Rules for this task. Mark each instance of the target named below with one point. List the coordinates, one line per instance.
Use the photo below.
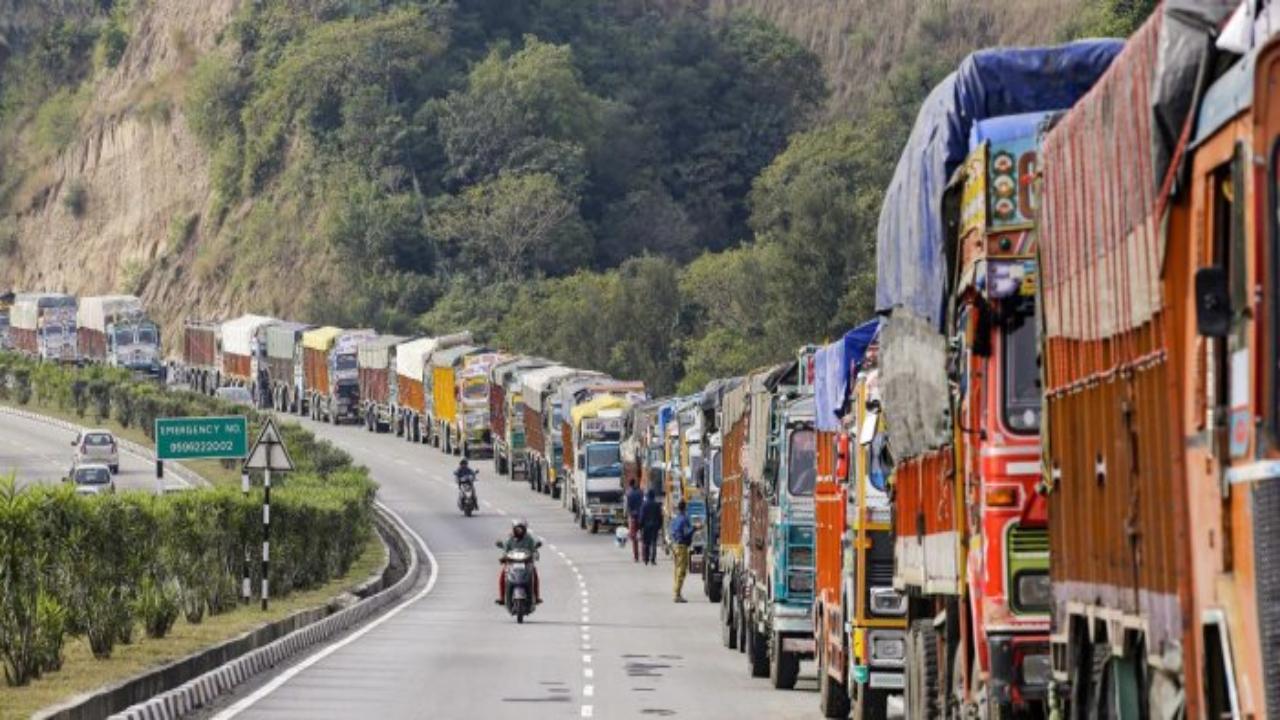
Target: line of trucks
(1043, 481)
(112, 330)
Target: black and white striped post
(266, 534)
(245, 586)
(268, 453)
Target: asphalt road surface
(608, 642)
(39, 452)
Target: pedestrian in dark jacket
(635, 503)
(651, 526)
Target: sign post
(268, 453)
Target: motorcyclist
(464, 472)
(519, 539)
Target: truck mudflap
(1021, 668)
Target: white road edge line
(325, 652)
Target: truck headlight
(800, 581)
(1037, 670)
(887, 648)
(1032, 591)
(887, 601)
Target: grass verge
(82, 673)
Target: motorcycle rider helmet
(463, 464)
(519, 526)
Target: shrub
(76, 198)
(157, 605)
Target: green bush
(102, 566)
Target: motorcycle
(517, 567)
(467, 500)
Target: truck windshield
(124, 336)
(475, 390)
(1021, 376)
(147, 335)
(604, 460)
(344, 362)
(52, 329)
(801, 471)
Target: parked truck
(1160, 369)
(473, 422)
(201, 343)
(331, 374)
(777, 585)
(284, 376)
(115, 330)
(957, 280)
(593, 447)
(542, 446)
(506, 414)
(712, 480)
(444, 395)
(732, 512)
(43, 326)
(859, 618)
(376, 374)
(243, 353)
(412, 371)
(572, 394)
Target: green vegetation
(76, 197)
(98, 566)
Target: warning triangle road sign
(269, 452)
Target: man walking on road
(651, 526)
(635, 503)
(681, 539)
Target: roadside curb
(199, 692)
(183, 474)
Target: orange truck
(1158, 251)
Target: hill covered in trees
(665, 190)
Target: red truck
(200, 342)
(506, 414)
(376, 360)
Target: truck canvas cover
(911, 245)
(600, 405)
(450, 357)
(25, 314)
(321, 338)
(833, 366)
(411, 357)
(95, 312)
(375, 354)
(504, 372)
(282, 337)
(533, 384)
(237, 335)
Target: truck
(571, 394)
(376, 374)
(594, 448)
(506, 415)
(473, 424)
(641, 453)
(43, 326)
(712, 480)
(1159, 353)
(330, 373)
(284, 376)
(412, 370)
(777, 582)
(732, 514)
(542, 446)
(859, 619)
(956, 283)
(243, 355)
(6, 304)
(201, 343)
(444, 394)
(114, 330)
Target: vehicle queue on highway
(982, 498)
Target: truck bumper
(606, 514)
(793, 619)
(1021, 668)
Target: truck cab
(133, 343)
(343, 401)
(597, 465)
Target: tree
(514, 225)
(646, 220)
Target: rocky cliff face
(141, 173)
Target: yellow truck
(442, 415)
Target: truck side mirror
(497, 544)
(1213, 302)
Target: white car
(96, 446)
(237, 396)
(93, 479)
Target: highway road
(40, 452)
(608, 642)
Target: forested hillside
(665, 190)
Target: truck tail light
(1002, 497)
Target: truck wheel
(595, 527)
(740, 624)
(728, 629)
(784, 667)
(757, 650)
(871, 704)
(714, 589)
(833, 700)
(921, 692)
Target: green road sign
(201, 437)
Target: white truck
(115, 330)
(43, 326)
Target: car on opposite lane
(96, 446)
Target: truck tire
(728, 629)
(871, 704)
(714, 590)
(921, 692)
(757, 650)
(784, 667)
(833, 698)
